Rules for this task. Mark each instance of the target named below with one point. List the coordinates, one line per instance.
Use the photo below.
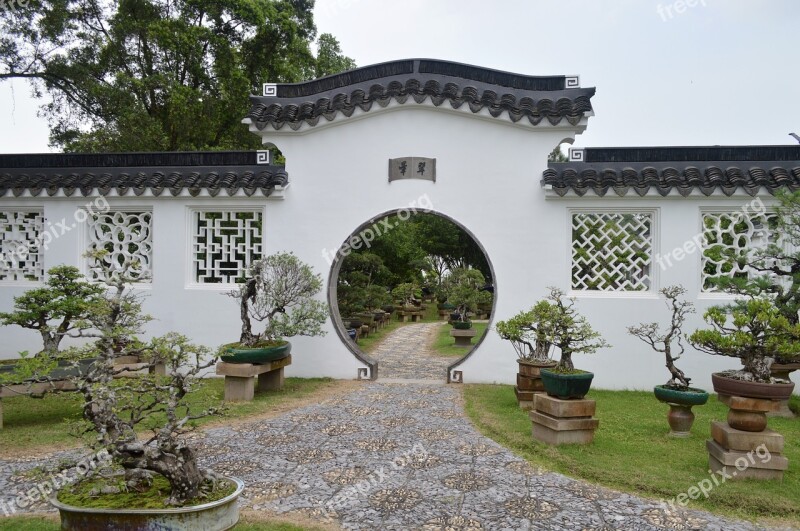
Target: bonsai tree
(662, 341)
(113, 410)
(464, 291)
(527, 332)
(279, 291)
(569, 331)
(775, 268)
(405, 293)
(756, 331)
(57, 309)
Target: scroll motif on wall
(127, 238)
(412, 168)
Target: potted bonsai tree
(570, 332)
(463, 288)
(676, 392)
(279, 291)
(527, 333)
(755, 331)
(151, 465)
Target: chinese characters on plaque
(412, 168)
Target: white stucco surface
(488, 180)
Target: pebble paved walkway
(405, 353)
(394, 456)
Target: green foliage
(753, 330)
(775, 268)
(557, 155)
(568, 330)
(405, 293)
(463, 289)
(58, 308)
(528, 331)
(361, 284)
(158, 75)
(279, 291)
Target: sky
(685, 72)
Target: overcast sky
(686, 72)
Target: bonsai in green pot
(676, 392)
(463, 288)
(279, 291)
(533, 348)
(572, 334)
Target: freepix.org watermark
(678, 7)
(706, 485)
(52, 232)
(375, 478)
(12, 5)
(755, 207)
(365, 237)
(43, 489)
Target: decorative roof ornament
(710, 170)
(524, 100)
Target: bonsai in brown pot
(755, 331)
(676, 392)
(533, 349)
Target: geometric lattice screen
(727, 237)
(225, 243)
(612, 251)
(20, 254)
(126, 237)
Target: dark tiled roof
(707, 169)
(226, 173)
(414, 80)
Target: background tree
(557, 155)
(158, 75)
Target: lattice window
(127, 237)
(727, 238)
(612, 251)
(20, 246)
(225, 244)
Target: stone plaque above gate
(412, 168)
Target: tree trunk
(759, 367)
(566, 361)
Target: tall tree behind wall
(159, 75)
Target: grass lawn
(51, 523)
(31, 422)
(631, 451)
(445, 344)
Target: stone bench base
(240, 378)
(463, 337)
(558, 422)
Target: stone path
(406, 354)
(395, 456)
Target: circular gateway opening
(411, 295)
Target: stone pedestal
(444, 315)
(743, 447)
(417, 317)
(240, 378)
(558, 422)
(525, 398)
(463, 337)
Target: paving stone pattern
(406, 353)
(397, 456)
